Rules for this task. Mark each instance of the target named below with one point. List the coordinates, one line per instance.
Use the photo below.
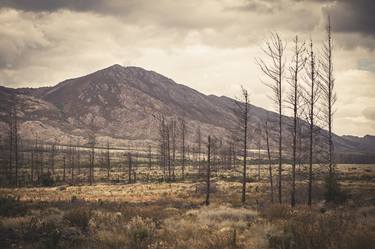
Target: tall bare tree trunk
(183, 131)
(16, 142)
(129, 168)
(312, 97)
(269, 161)
(64, 166)
(329, 96)
(199, 140)
(108, 162)
(297, 65)
(274, 50)
(208, 174)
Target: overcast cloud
(208, 45)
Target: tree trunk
(208, 171)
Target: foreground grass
(172, 215)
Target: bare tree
(208, 173)
(78, 156)
(64, 166)
(311, 97)
(92, 142)
(242, 113)
(149, 161)
(130, 168)
(297, 64)
(173, 134)
(329, 99)
(13, 140)
(274, 70)
(108, 157)
(199, 148)
(183, 146)
(269, 161)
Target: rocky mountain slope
(119, 103)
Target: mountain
(119, 104)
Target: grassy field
(152, 214)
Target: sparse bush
(10, 206)
(140, 233)
(277, 211)
(79, 217)
(309, 229)
(333, 192)
(47, 180)
(52, 235)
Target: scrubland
(152, 214)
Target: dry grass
(172, 215)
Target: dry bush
(308, 229)
(114, 231)
(208, 227)
(10, 206)
(224, 216)
(140, 233)
(277, 211)
(79, 217)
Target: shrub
(10, 206)
(333, 192)
(277, 211)
(79, 217)
(53, 235)
(47, 180)
(140, 233)
(308, 229)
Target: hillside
(118, 104)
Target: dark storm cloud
(354, 16)
(350, 15)
(54, 5)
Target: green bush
(10, 206)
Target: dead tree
(130, 168)
(168, 137)
(329, 98)
(274, 71)
(92, 161)
(64, 166)
(52, 157)
(149, 162)
(311, 97)
(199, 148)
(297, 64)
(208, 173)
(78, 157)
(269, 161)
(183, 151)
(92, 142)
(160, 119)
(13, 140)
(108, 161)
(173, 134)
(242, 113)
(71, 160)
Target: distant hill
(118, 104)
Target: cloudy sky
(208, 45)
